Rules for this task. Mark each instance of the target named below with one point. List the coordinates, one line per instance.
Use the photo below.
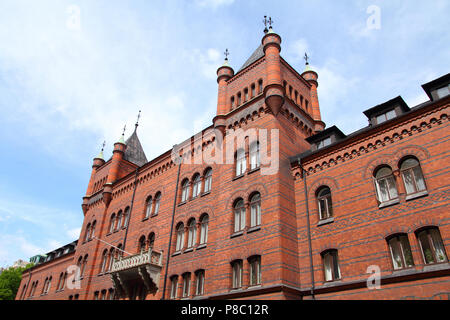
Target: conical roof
(134, 151)
(256, 55)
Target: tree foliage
(10, 281)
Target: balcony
(143, 268)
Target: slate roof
(134, 152)
(259, 53)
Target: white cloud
(297, 49)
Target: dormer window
(386, 116)
(443, 92)
(323, 143)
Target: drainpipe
(171, 231)
(308, 228)
(131, 209)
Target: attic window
(323, 143)
(386, 116)
(443, 92)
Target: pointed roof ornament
(307, 66)
(267, 22)
(122, 138)
(137, 121)
(100, 155)
(225, 62)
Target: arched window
(232, 103)
(180, 237)
(385, 184)
(241, 164)
(196, 185)
(112, 223)
(184, 190)
(141, 245)
(255, 270)
(204, 220)
(151, 240)
(119, 220)
(254, 155)
(400, 251)
(157, 203)
(260, 86)
(186, 284)
(236, 281)
(126, 217)
(60, 282)
(148, 207)
(79, 267)
(324, 203)
(431, 245)
(88, 231)
(119, 252)
(173, 287)
(104, 260)
(111, 259)
(253, 90)
(239, 215)
(208, 180)
(63, 285)
(83, 267)
(192, 233)
(255, 210)
(239, 99)
(331, 265)
(412, 176)
(94, 224)
(200, 282)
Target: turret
(311, 76)
(224, 73)
(273, 91)
(97, 162)
(118, 153)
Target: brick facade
(287, 101)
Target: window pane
(420, 182)
(406, 251)
(390, 114)
(409, 163)
(392, 188)
(438, 245)
(382, 190)
(427, 250)
(396, 254)
(409, 182)
(381, 118)
(327, 261)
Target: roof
(256, 55)
(134, 151)
(326, 133)
(397, 101)
(435, 84)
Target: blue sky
(65, 87)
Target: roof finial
(226, 53)
(137, 121)
(265, 21)
(122, 138)
(306, 57)
(100, 155)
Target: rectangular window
(186, 285)
(255, 271)
(400, 252)
(331, 266)
(200, 283)
(324, 143)
(173, 288)
(237, 274)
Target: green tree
(10, 281)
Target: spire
(267, 22)
(307, 66)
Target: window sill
(181, 203)
(388, 203)
(253, 229)
(238, 177)
(237, 234)
(436, 266)
(254, 286)
(404, 271)
(153, 215)
(325, 221)
(176, 253)
(201, 246)
(416, 195)
(205, 193)
(254, 170)
(188, 250)
(145, 219)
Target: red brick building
(287, 209)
